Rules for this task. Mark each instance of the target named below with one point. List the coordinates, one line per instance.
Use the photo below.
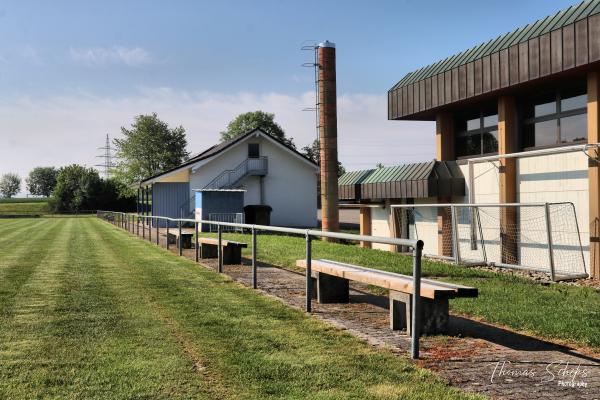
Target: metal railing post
(157, 235)
(481, 236)
(143, 228)
(197, 241)
(219, 248)
(179, 239)
(455, 243)
(137, 225)
(167, 225)
(549, 234)
(150, 229)
(254, 266)
(309, 287)
(416, 300)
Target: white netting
(516, 235)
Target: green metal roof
(519, 35)
(405, 172)
(354, 177)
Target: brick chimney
(328, 136)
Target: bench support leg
(187, 241)
(434, 313)
(208, 251)
(232, 255)
(331, 289)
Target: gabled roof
(221, 147)
(531, 47)
(416, 180)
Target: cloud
(101, 56)
(69, 129)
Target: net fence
(536, 237)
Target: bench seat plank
(224, 242)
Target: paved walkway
(475, 357)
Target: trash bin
(258, 214)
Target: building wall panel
(487, 74)
(477, 77)
(556, 52)
(581, 42)
(504, 68)
(545, 66)
(534, 58)
(568, 46)
(513, 64)
(594, 37)
(523, 62)
(470, 79)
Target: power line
(108, 158)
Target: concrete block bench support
(433, 313)
(186, 239)
(232, 251)
(331, 289)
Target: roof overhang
(568, 41)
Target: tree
(246, 122)
(41, 181)
(77, 188)
(10, 184)
(148, 148)
(313, 152)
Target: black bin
(258, 214)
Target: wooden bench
(331, 280)
(232, 251)
(186, 238)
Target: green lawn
(23, 206)
(556, 311)
(88, 311)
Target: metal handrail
(225, 179)
(417, 246)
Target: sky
(72, 72)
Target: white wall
(380, 226)
(290, 187)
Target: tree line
(145, 149)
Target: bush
(79, 188)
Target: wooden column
(593, 92)
(365, 225)
(444, 151)
(507, 171)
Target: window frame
(479, 131)
(558, 115)
(258, 150)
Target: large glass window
(555, 118)
(477, 135)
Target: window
(477, 135)
(253, 150)
(555, 118)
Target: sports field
(88, 311)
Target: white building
(270, 173)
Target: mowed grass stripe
(98, 351)
(20, 258)
(260, 347)
(26, 328)
(176, 357)
(13, 232)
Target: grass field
(23, 206)
(555, 311)
(91, 312)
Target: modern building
(266, 171)
(518, 117)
